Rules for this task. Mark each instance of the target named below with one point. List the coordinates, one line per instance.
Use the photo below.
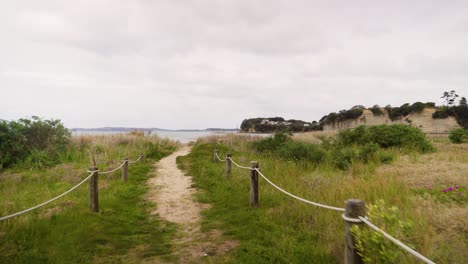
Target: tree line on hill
(450, 108)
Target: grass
(283, 230)
(65, 231)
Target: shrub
(417, 107)
(368, 152)
(35, 137)
(373, 246)
(343, 157)
(272, 143)
(39, 159)
(458, 136)
(376, 110)
(441, 114)
(294, 150)
(387, 136)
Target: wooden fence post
(125, 170)
(228, 165)
(94, 190)
(215, 153)
(253, 184)
(353, 209)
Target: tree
(462, 102)
(450, 97)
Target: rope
(135, 161)
(348, 219)
(240, 166)
(396, 241)
(351, 220)
(216, 154)
(299, 198)
(49, 201)
(111, 171)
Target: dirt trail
(172, 192)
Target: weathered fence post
(353, 209)
(94, 190)
(215, 158)
(253, 184)
(125, 170)
(228, 165)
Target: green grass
(65, 231)
(283, 230)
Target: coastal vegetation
(451, 108)
(272, 124)
(418, 194)
(65, 231)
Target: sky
(197, 64)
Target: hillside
(426, 116)
(422, 120)
(272, 124)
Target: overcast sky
(197, 64)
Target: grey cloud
(201, 64)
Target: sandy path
(172, 192)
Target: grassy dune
(65, 231)
(283, 230)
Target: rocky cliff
(422, 120)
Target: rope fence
(354, 212)
(93, 188)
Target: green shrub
(459, 112)
(372, 246)
(158, 151)
(272, 143)
(36, 137)
(368, 152)
(339, 154)
(343, 157)
(359, 135)
(458, 136)
(441, 114)
(38, 160)
(294, 150)
(385, 156)
(386, 136)
(376, 110)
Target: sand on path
(172, 192)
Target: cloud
(180, 64)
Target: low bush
(440, 114)
(386, 136)
(458, 136)
(271, 144)
(336, 154)
(376, 110)
(373, 246)
(406, 109)
(294, 150)
(36, 141)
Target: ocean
(181, 136)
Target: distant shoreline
(129, 129)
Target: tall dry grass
(439, 226)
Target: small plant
(458, 136)
(372, 246)
(445, 194)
